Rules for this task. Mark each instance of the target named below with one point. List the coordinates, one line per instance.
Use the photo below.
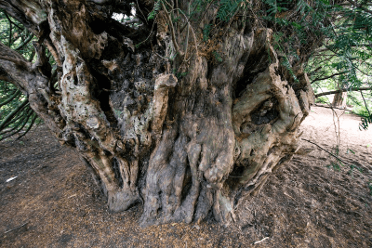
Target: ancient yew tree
(184, 106)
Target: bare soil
(311, 201)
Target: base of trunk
(122, 200)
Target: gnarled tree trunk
(187, 126)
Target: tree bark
(339, 100)
(188, 130)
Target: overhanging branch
(11, 56)
(13, 113)
(328, 77)
(342, 90)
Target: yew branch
(342, 90)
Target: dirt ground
(308, 202)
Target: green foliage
(353, 167)
(345, 59)
(281, 38)
(285, 62)
(227, 9)
(180, 75)
(206, 32)
(217, 56)
(275, 7)
(359, 106)
(322, 99)
(118, 113)
(365, 122)
(16, 115)
(335, 165)
(345, 30)
(349, 150)
(155, 10)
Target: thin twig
(193, 33)
(205, 12)
(365, 103)
(188, 31)
(144, 17)
(25, 42)
(257, 242)
(152, 29)
(17, 227)
(10, 30)
(330, 153)
(330, 107)
(171, 28)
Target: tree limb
(342, 90)
(331, 76)
(9, 55)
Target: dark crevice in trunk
(257, 62)
(143, 166)
(44, 30)
(262, 117)
(118, 176)
(186, 184)
(98, 26)
(247, 79)
(241, 85)
(103, 95)
(113, 50)
(234, 178)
